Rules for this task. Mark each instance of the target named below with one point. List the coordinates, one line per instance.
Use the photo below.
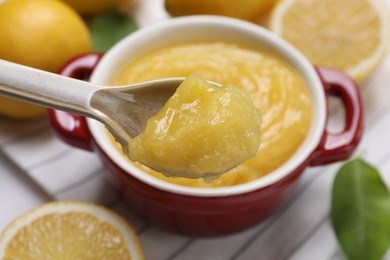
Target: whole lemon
(43, 34)
(93, 6)
(250, 10)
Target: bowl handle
(339, 146)
(70, 128)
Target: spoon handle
(45, 88)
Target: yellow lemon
(93, 6)
(39, 33)
(250, 10)
(349, 35)
(69, 230)
(19, 110)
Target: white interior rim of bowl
(289, 52)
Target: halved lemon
(349, 35)
(69, 230)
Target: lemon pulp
(69, 230)
(352, 35)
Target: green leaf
(361, 211)
(110, 27)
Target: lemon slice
(349, 35)
(69, 230)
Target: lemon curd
(277, 90)
(209, 129)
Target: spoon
(124, 110)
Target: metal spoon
(124, 110)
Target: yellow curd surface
(277, 90)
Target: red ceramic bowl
(212, 211)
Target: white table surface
(18, 193)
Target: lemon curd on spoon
(208, 129)
(275, 87)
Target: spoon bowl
(125, 109)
